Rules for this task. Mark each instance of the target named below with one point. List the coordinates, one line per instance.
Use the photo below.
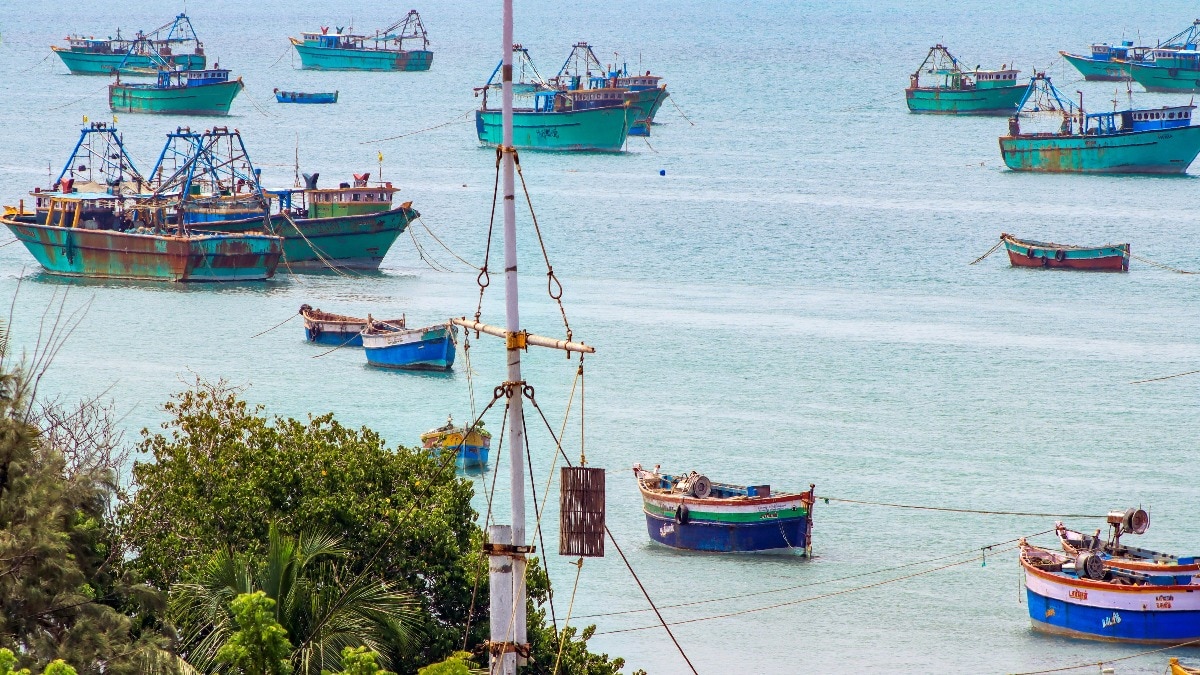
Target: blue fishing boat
(470, 447)
(175, 43)
(305, 97)
(1121, 556)
(1109, 62)
(338, 329)
(690, 512)
(384, 50)
(1083, 597)
(392, 346)
(1137, 140)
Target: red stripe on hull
(1106, 264)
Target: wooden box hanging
(581, 512)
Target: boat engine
(697, 485)
(1089, 565)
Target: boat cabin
(344, 200)
(993, 79)
(324, 40)
(639, 82)
(1187, 58)
(1124, 121)
(191, 78)
(589, 99)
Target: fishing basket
(581, 512)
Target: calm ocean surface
(790, 304)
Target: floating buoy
(662, 172)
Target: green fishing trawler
(941, 86)
(176, 43)
(382, 51)
(563, 120)
(178, 92)
(1173, 70)
(1138, 140)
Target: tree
(323, 609)
(360, 661)
(260, 645)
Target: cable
(944, 508)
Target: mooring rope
(78, 100)
(1100, 664)
(458, 119)
(953, 510)
(275, 326)
(1157, 264)
(990, 251)
(1165, 377)
(683, 114)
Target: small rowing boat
(1029, 253)
(389, 345)
(690, 512)
(470, 447)
(337, 329)
(305, 97)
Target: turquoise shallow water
(790, 304)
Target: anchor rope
(1165, 377)
(443, 245)
(275, 326)
(458, 119)
(344, 272)
(954, 510)
(1100, 664)
(1157, 264)
(337, 347)
(681, 113)
(990, 251)
(78, 100)
(425, 257)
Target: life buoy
(1060, 255)
(681, 514)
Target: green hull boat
(206, 99)
(1162, 152)
(1093, 70)
(598, 129)
(91, 63)
(314, 57)
(1167, 79)
(1000, 101)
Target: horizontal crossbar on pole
(526, 337)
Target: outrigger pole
(506, 548)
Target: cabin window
(356, 196)
(1170, 116)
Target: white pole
(516, 453)
(500, 585)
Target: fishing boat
(392, 346)
(1108, 62)
(96, 221)
(942, 86)
(177, 92)
(1028, 253)
(175, 43)
(1172, 71)
(1177, 668)
(597, 121)
(350, 226)
(1142, 140)
(582, 71)
(527, 78)
(690, 512)
(337, 329)
(384, 50)
(470, 447)
(1123, 557)
(1084, 598)
(305, 97)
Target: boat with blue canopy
(942, 86)
(175, 42)
(305, 97)
(1136, 140)
(383, 50)
(1115, 61)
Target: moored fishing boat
(1142, 140)
(338, 329)
(1028, 253)
(1082, 597)
(582, 71)
(427, 348)
(175, 43)
(942, 86)
(690, 512)
(527, 78)
(305, 97)
(562, 120)
(384, 50)
(1172, 70)
(1124, 557)
(1108, 62)
(470, 447)
(178, 92)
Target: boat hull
(1158, 79)
(324, 58)
(1098, 71)
(1097, 259)
(208, 99)
(649, 100)
(772, 525)
(597, 130)
(1166, 151)
(298, 97)
(106, 254)
(936, 101)
(91, 63)
(429, 348)
(355, 242)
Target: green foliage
(64, 592)
(8, 661)
(360, 661)
(260, 645)
(544, 641)
(317, 602)
(459, 663)
(59, 667)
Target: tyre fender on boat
(1060, 255)
(681, 514)
(314, 332)
(1029, 252)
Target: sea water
(791, 303)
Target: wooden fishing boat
(174, 43)
(1177, 668)
(392, 346)
(1142, 140)
(338, 329)
(384, 50)
(178, 92)
(942, 86)
(583, 72)
(1121, 556)
(1107, 62)
(690, 512)
(563, 120)
(1082, 597)
(305, 97)
(470, 447)
(1029, 253)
